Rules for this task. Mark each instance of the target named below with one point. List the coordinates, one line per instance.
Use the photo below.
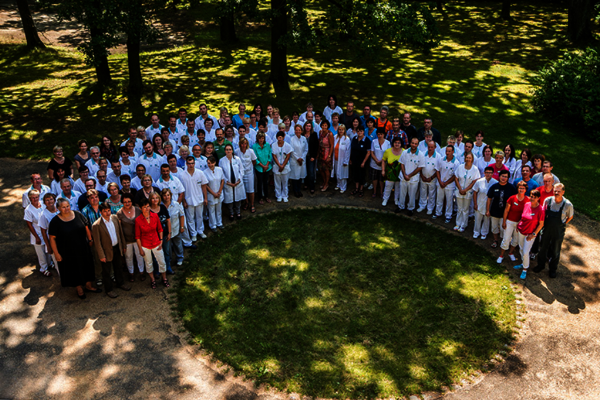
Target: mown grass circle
(346, 303)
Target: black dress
(77, 265)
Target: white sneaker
(337, 188)
(384, 203)
(429, 212)
(179, 263)
(420, 209)
(512, 257)
(461, 230)
(483, 237)
(203, 236)
(456, 228)
(342, 191)
(194, 239)
(499, 260)
(279, 199)
(475, 235)
(285, 199)
(370, 187)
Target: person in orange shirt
(383, 122)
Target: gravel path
(53, 345)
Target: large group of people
(140, 201)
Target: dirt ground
(53, 345)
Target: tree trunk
(227, 27)
(31, 33)
(100, 56)
(279, 27)
(579, 29)
(505, 14)
(133, 64)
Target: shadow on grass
(310, 302)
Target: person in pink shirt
(498, 165)
(529, 227)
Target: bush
(569, 90)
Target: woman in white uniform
(33, 212)
(445, 170)
(524, 160)
(234, 190)
(216, 181)
(483, 162)
(466, 177)
(298, 160)
(248, 157)
(341, 158)
(331, 108)
(282, 153)
(378, 147)
(510, 161)
(480, 191)
(49, 212)
(59, 175)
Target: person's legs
(311, 174)
(97, 265)
(278, 186)
(462, 217)
(212, 216)
(404, 191)
(449, 195)
(285, 188)
(525, 247)
(440, 196)
(218, 216)
(106, 272)
(259, 185)
(117, 265)
(389, 185)
(177, 245)
(343, 184)
(191, 222)
(40, 251)
(198, 216)
(412, 195)
(148, 262)
(160, 259)
(510, 230)
(485, 224)
(496, 227)
(554, 250)
(237, 207)
(166, 247)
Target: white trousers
(387, 191)
(214, 215)
(160, 259)
(342, 183)
(462, 216)
(281, 185)
(410, 189)
(43, 257)
(427, 195)
(132, 248)
(446, 193)
(482, 224)
(195, 223)
(510, 235)
(525, 247)
(497, 226)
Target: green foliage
(569, 90)
(316, 302)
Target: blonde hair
(185, 148)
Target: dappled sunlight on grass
(363, 317)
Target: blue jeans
(177, 245)
(311, 173)
(167, 252)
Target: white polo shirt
(152, 164)
(174, 184)
(429, 164)
(193, 186)
(411, 162)
(447, 170)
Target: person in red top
(149, 237)
(548, 189)
(383, 122)
(498, 165)
(532, 222)
(512, 216)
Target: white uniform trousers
(482, 224)
(462, 216)
(387, 191)
(195, 223)
(510, 235)
(410, 189)
(281, 185)
(447, 194)
(214, 215)
(525, 247)
(43, 257)
(427, 196)
(132, 248)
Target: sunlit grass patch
(346, 303)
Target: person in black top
(437, 136)
(408, 128)
(349, 116)
(498, 196)
(90, 183)
(147, 189)
(59, 160)
(360, 152)
(126, 186)
(311, 157)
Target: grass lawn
(477, 79)
(346, 303)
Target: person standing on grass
(69, 194)
(109, 243)
(195, 183)
(479, 145)
(326, 143)
(485, 160)
(521, 162)
(59, 160)
(168, 180)
(480, 191)
(512, 216)
(526, 177)
(397, 132)
(510, 161)
(341, 159)
(155, 126)
(427, 127)
(298, 159)
(546, 169)
(238, 119)
(411, 165)
(383, 123)
(150, 160)
(424, 145)
(558, 213)
(467, 175)
(529, 227)
(82, 201)
(264, 164)
(138, 144)
(360, 154)
(428, 176)
(216, 182)
(348, 117)
(499, 165)
(498, 196)
(36, 184)
(233, 191)
(47, 215)
(312, 156)
(127, 216)
(282, 153)
(149, 238)
(446, 171)
(59, 175)
(331, 108)
(83, 155)
(177, 218)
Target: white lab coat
(214, 182)
(339, 169)
(238, 193)
(300, 146)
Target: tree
(134, 21)
(579, 28)
(279, 29)
(505, 14)
(229, 10)
(31, 33)
(100, 18)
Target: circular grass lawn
(346, 303)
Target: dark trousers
(311, 173)
(550, 245)
(358, 173)
(116, 266)
(297, 185)
(262, 184)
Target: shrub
(569, 90)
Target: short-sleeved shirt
(516, 208)
(567, 212)
(148, 232)
(33, 215)
(411, 162)
(359, 149)
(500, 195)
(220, 148)
(531, 184)
(392, 165)
(497, 170)
(530, 219)
(66, 165)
